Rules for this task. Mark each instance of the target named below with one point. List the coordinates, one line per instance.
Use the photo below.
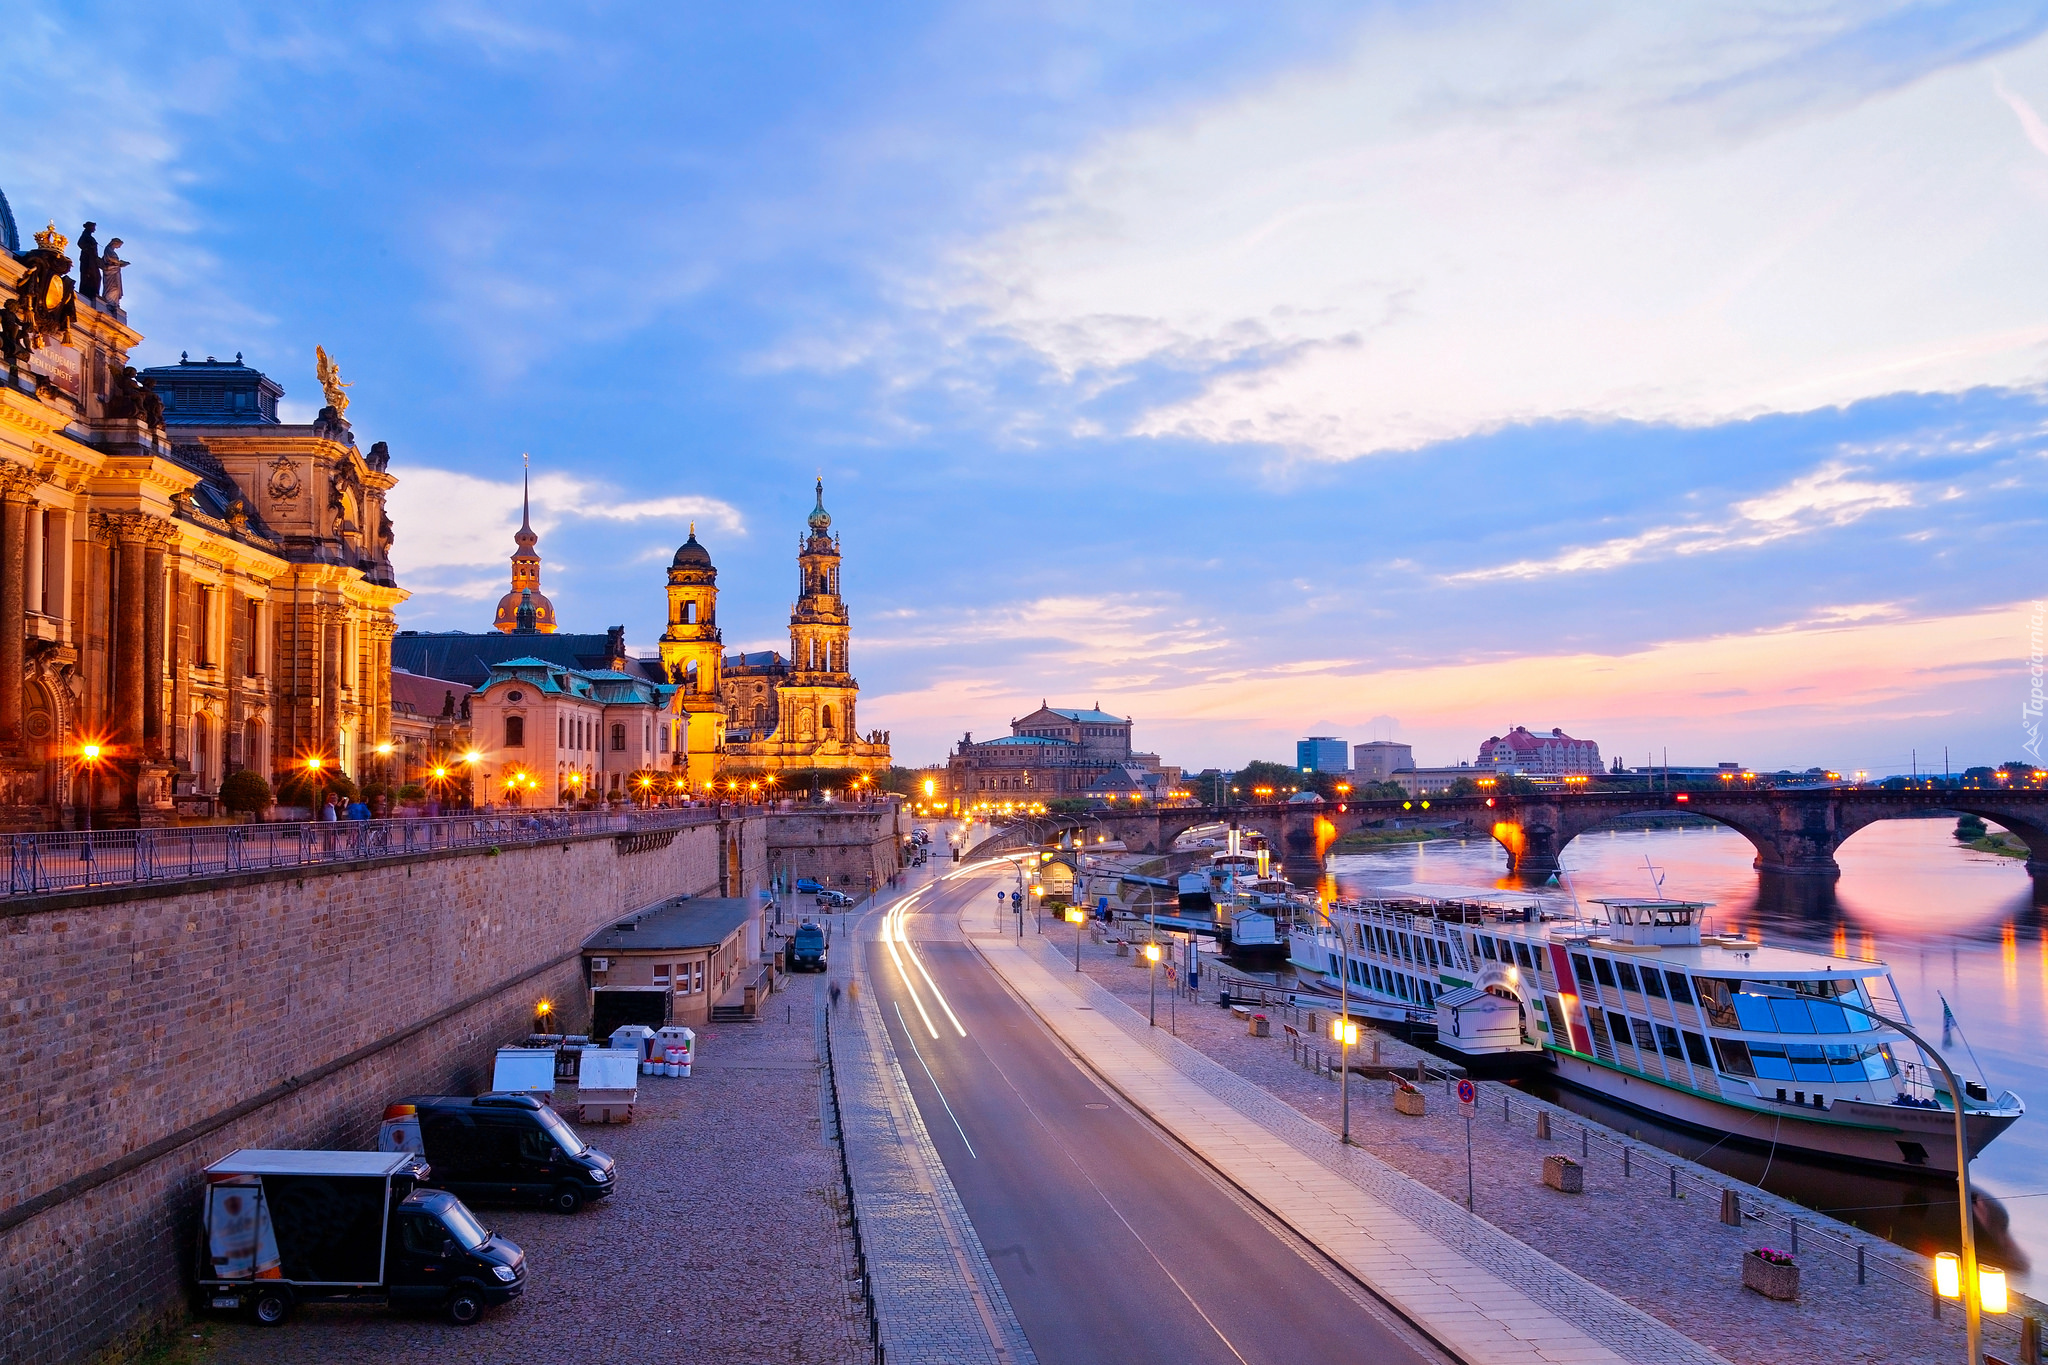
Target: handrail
(44, 863)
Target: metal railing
(39, 864)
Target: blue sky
(1671, 375)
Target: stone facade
(185, 581)
(1052, 753)
(848, 848)
(551, 735)
(152, 1033)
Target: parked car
(834, 899)
(500, 1147)
(809, 885)
(280, 1228)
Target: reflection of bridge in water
(1795, 833)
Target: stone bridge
(1795, 832)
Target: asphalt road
(1112, 1243)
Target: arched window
(618, 738)
(689, 613)
(825, 723)
(515, 732)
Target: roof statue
(329, 375)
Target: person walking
(835, 995)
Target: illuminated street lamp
(1152, 970)
(1077, 917)
(89, 754)
(1344, 1032)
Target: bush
(412, 791)
(245, 792)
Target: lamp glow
(1151, 952)
(1948, 1275)
(1344, 1031)
(1991, 1293)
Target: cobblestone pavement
(726, 1242)
(1672, 1259)
(937, 1299)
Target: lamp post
(1077, 917)
(1344, 1004)
(1967, 1286)
(384, 753)
(1344, 1032)
(89, 755)
(1152, 970)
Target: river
(1944, 917)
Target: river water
(1948, 921)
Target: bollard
(1421, 1070)
(1674, 1182)
(1583, 1142)
(1731, 1208)
(1504, 1109)
(1624, 1163)
(1937, 1305)
(1795, 1236)
(1859, 1263)
(2030, 1339)
(1375, 1050)
(1543, 1124)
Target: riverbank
(1670, 1257)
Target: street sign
(1468, 1098)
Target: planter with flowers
(1772, 1274)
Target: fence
(837, 1138)
(38, 864)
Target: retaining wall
(150, 1031)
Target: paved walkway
(937, 1299)
(1481, 1294)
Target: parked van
(280, 1228)
(807, 948)
(500, 1147)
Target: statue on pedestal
(110, 275)
(329, 375)
(88, 263)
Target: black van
(509, 1147)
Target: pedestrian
(327, 812)
(853, 990)
(835, 995)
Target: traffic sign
(1468, 1098)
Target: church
(678, 721)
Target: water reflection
(1949, 922)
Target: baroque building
(187, 584)
(797, 714)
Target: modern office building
(1321, 754)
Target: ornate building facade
(186, 582)
(798, 714)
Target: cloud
(1829, 496)
(1491, 215)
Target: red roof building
(1556, 754)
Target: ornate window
(618, 738)
(515, 732)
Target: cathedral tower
(691, 654)
(525, 573)
(817, 700)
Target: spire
(526, 493)
(821, 520)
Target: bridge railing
(39, 864)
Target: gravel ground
(727, 1240)
(1671, 1258)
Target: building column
(130, 648)
(153, 636)
(17, 486)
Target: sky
(1672, 375)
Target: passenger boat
(1640, 1006)
(1237, 898)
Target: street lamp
(89, 755)
(1152, 970)
(1963, 1279)
(1343, 1005)
(1344, 1032)
(1077, 917)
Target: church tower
(525, 573)
(817, 698)
(692, 651)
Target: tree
(244, 792)
(303, 787)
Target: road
(1112, 1243)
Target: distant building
(1320, 754)
(1379, 761)
(429, 725)
(549, 734)
(1057, 752)
(1435, 781)
(1556, 754)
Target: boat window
(1845, 1061)
(1679, 994)
(1792, 1016)
(1753, 1013)
(1628, 975)
(1809, 1063)
(1653, 982)
(1769, 1060)
(1486, 947)
(1878, 1063)
(1604, 970)
(1696, 1049)
(1828, 1017)
(1733, 1056)
(1581, 969)
(1667, 1042)
(1525, 955)
(1645, 1039)
(1406, 949)
(1617, 1024)
(1428, 995)
(1379, 938)
(1429, 944)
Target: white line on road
(919, 1054)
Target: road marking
(918, 962)
(936, 1089)
(889, 942)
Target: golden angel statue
(330, 379)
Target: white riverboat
(1642, 1008)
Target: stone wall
(848, 848)
(147, 1035)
